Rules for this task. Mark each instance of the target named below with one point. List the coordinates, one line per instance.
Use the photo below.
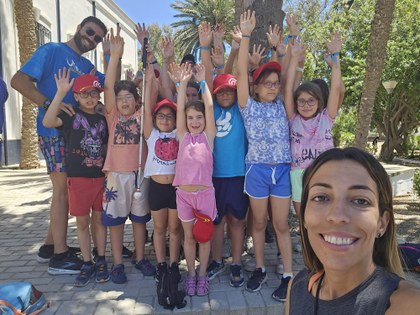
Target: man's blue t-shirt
(45, 62)
(230, 144)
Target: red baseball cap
(203, 227)
(85, 82)
(272, 65)
(164, 102)
(224, 80)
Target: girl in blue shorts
(268, 158)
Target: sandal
(190, 285)
(202, 286)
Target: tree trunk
(25, 23)
(266, 12)
(375, 60)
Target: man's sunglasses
(90, 32)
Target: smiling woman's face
(342, 215)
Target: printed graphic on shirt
(166, 150)
(224, 124)
(127, 132)
(91, 144)
(73, 67)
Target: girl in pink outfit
(310, 116)
(196, 130)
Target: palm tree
(375, 61)
(192, 13)
(25, 24)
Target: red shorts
(85, 194)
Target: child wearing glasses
(268, 158)
(123, 115)
(86, 136)
(162, 143)
(310, 115)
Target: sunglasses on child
(90, 32)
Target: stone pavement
(24, 209)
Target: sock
(88, 263)
(288, 274)
(61, 256)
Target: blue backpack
(21, 298)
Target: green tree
(192, 13)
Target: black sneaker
(257, 279)
(69, 265)
(215, 268)
(160, 269)
(236, 276)
(281, 291)
(46, 252)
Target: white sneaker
(227, 248)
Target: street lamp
(389, 87)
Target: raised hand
(129, 74)
(175, 72)
(150, 53)
(205, 34)
(217, 56)
(273, 35)
(298, 48)
(281, 47)
(185, 73)
(219, 32)
(167, 48)
(62, 80)
(292, 24)
(116, 44)
(257, 55)
(106, 45)
(236, 34)
(200, 72)
(141, 33)
(333, 47)
(247, 22)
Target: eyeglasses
(126, 98)
(270, 85)
(161, 116)
(301, 102)
(90, 32)
(92, 94)
(226, 92)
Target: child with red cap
(86, 135)
(268, 158)
(162, 143)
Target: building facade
(56, 21)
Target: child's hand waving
(200, 74)
(116, 44)
(62, 79)
(247, 22)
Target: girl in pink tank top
(196, 130)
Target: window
(43, 34)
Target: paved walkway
(24, 209)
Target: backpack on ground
(167, 289)
(21, 298)
(410, 256)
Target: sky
(148, 11)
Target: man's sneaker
(236, 276)
(280, 293)
(86, 272)
(202, 286)
(227, 248)
(257, 279)
(145, 267)
(249, 246)
(69, 265)
(279, 267)
(160, 269)
(250, 265)
(214, 269)
(46, 252)
(101, 272)
(118, 274)
(126, 253)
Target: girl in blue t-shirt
(268, 158)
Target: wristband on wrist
(334, 56)
(177, 84)
(281, 55)
(202, 86)
(204, 47)
(153, 62)
(219, 67)
(286, 40)
(246, 36)
(107, 57)
(299, 69)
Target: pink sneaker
(190, 285)
(202, 286)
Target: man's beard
(78, 41)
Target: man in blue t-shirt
(40, 69)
